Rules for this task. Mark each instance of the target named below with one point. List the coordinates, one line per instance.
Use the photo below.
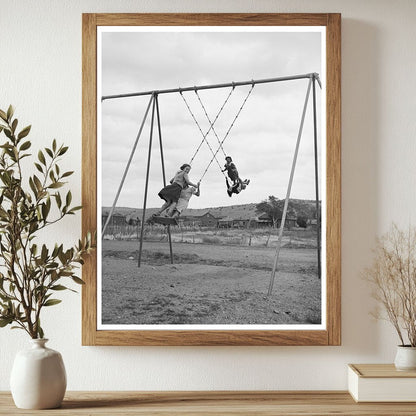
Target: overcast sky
(263, 138)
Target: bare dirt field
(208, 284)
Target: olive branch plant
(30, 272)
(393, 278)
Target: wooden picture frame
(331, 334)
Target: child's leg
(171, 209)
(164, 206)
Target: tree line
(300, 210)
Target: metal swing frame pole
(163, 169)
(149, 155)
(213, 86)
(289, 188)
(127, 168)
(318, 211)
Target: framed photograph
(211, 172)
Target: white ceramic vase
(405, 358)
(38, 378)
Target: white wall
(40, 73)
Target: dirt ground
(208, 284)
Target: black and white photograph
(211, 177)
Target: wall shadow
(360, 180)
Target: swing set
(155, 119)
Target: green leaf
(3, 115)
(60, 249)
(10, 112)
(24, 132)
(45, 211)
(25, 145)
(41, 157)
(51, 302)
(49, 152)
(37, 182)
(56, 185)
(40, 332)
(76, 279)
(62, 257)
(33, 187)
(8, 133)
(14, 125)
(59, 287)
(55, 251)
(58, 199)
(5, 321)
(63, 150)
(44, 253)
(67, 174)
(39, 167)
(54, 145)
(68, 199)
(77, 208)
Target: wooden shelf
(318, 403)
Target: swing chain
(228, 131)
(216, 118)
(200, 129)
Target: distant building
(263, 220)
(208, 220)
(226, 222)
(115, 220)
(290, 222)
(245, 221)
(204, 220)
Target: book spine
(353, 381)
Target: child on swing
(171, 193)
(238, 185)
(176, 209)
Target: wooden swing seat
(165, 220)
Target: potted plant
(393, 277)
(31, 273)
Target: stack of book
(381, 383)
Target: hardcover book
(381, 383)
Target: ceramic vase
(405, 358)
(38, 377)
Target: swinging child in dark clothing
(238, 185)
